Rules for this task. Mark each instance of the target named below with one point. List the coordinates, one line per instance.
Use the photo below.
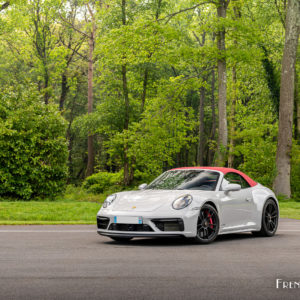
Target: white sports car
(195, 202)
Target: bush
(33, 149)
(102, 181)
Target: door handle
(248, 199)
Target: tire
(208, 225)
(121, 239)
(269, 220)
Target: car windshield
(203, 180)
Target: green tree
(282, 183)
(33, 148)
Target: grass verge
(289, 209)
(78, 212)
(33, 212)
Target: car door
(236, 206)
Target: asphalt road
(73, 262)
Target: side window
(244, 183)
(235, 178)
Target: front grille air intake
(102, 222)
(166, 224)
(130, 227)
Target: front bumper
(176, 224)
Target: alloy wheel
(208, 224)
(271, 217)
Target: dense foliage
(140, 78)
(33, 147)
(103, 181)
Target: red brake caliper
(210, 221)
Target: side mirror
(232, 187)
(142, 186)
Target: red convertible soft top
(224, 171)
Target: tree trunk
(232, 120)
(222, 84)
(46, 86)
(128, 172)
(272, 81)
(201, 142)
(126, 97)
(90, 163)
(211, 152)
(70, 137)
(146, 73)
(70, 158)
(64, 91)
(284, 144)
(237, 14)
(4, 5)
(126, 124)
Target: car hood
(148, 200)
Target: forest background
(100, 96)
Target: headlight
(109, 200)
(182, 202)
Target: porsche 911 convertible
(193, 202)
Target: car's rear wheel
(269, 220)
(207, 225)
(121, 239)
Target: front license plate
(128, 220)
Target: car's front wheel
(269, 221)
(207, 225)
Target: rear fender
(260, 196)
